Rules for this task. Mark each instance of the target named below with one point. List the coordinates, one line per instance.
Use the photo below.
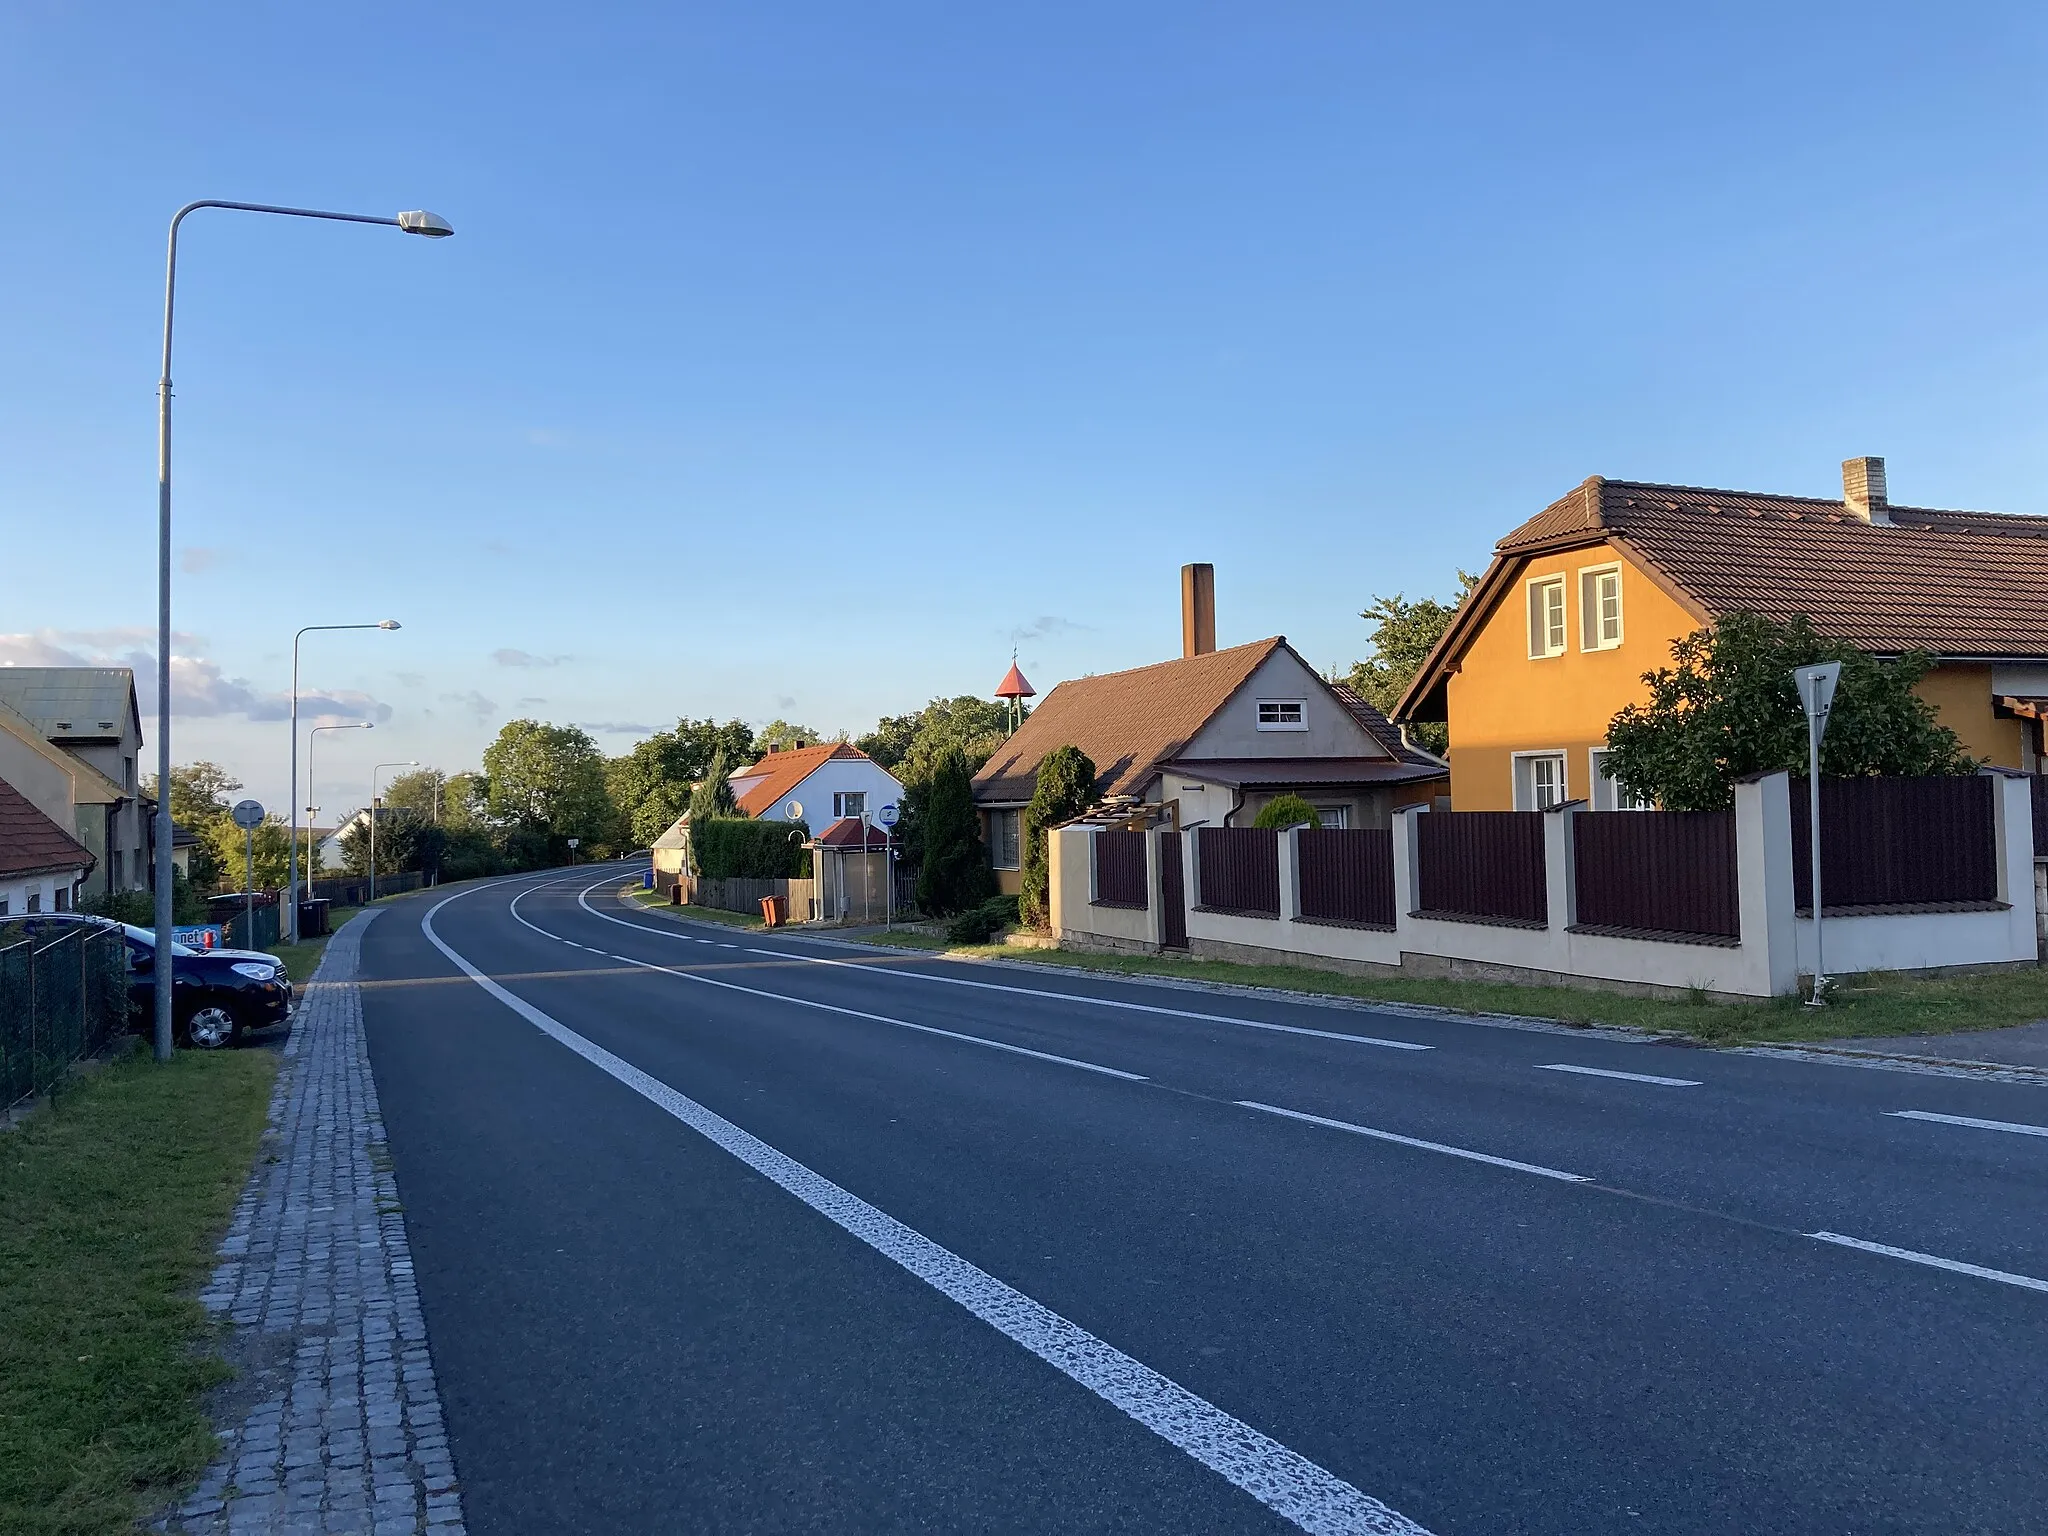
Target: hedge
(738, 848)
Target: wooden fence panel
(1485, 865)
(1662, 871)
(1347, 877)
(1240, 870)
(1897, 842)
(1120, 870)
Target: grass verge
(653, 902)
(110, 1207)
(302, 959)
(1863, 1007)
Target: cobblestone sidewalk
(315, 1277)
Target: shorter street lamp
(292, 867)
(414, 763)
(312, 747)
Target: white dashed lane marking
(1627, 1077)
(1932, 1261)
(1411, 1141)
(2013, 1126)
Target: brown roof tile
(1127, 722)
(31, 843)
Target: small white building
(41, 865)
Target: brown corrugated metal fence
(1240, 870)
(1663, 871)
(1486, 865)
(1347, 877)
(1120, 869)
(1898, 842)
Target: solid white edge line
(851, 1013)
(1933, 1261)
(2014, 1126)
(1630, 1077)
(1411, 1141)
(583, 901)
(1284, 1481)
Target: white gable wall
(1331, 730)
(838, 775)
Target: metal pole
(889, 877)
(373, 837)
(292, 881)
(249, 890)
(1820, 977)
(165, 932)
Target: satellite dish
(248, 814)
(794, 811)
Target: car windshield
(147, 937)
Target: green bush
(977, 925)
(1284, 811)
(137, 907)
(1065, 788)
(738, 848)
(953, 873)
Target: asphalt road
(724, 1232)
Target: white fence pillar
(1290, 875)
(1763, 872)
(1407, 869)
(1560, 872)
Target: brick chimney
(1863, 494)
(1197, 609)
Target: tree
(910, 745)
(1283, 811)
(781, 735)
(954, 874)
(406, 841)
(201, 794)
(1727, 708)
(229, 845)
(650, 785)
(1066, 788)
(466, 803)
(548, 779)
(419, 791)
(1403, 633)
(711, 796)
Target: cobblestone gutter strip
(315, 1279)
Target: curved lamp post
(416, 222)
(311, 745)
(373, 817)
(291, 883)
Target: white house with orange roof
(816, 785)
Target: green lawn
(652, 900)
(1870, 1006)
(110, 1207)
(302, 959)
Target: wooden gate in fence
(1173, 896)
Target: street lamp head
(420, 222)
(390, 624)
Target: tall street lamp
(373, 818)
(292, 863)
(416, 222)
(311, 746)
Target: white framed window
(1607, 795)
(1600, 608)
(1002, 839)
(1334, 818)
(1283, 714)
(849, 802)
(1539, 780)
(35, 902)
(1546, 617)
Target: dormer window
(1283, 714)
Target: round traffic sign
(248, 814)
(888, 814)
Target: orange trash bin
(774, 910)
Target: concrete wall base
(1102, 944)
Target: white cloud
(617, 727)
(1045, 627)
(199, 686)
(474, 702)
(196, 558)
(507, 657)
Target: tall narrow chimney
(1863, 491)
(1197, 609)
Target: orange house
(1588, 595)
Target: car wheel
(211, 1027)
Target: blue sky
(802, 360)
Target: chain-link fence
(63, 996)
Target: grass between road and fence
(1862, 1007)
(111, 1205)
(653, 901)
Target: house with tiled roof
(1588, 595)
(815, 784)
(42, 866)
(48, 760)
(1211, 736)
